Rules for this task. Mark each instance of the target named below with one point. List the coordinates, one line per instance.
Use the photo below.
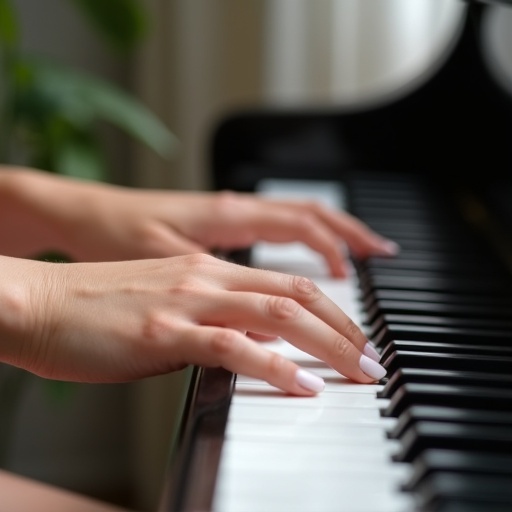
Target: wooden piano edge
(190, 481)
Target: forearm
(16, 304)
(32, 212)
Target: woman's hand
(97, 222)
(121, 321)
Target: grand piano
(431, 169)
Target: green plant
(50, 113)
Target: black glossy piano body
(433, 170)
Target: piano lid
(505, 2)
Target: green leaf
(44, 92)
(81, 158)
(122, 22)
(9, 31)
(80, 99)
(126, 112)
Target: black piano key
(451, 362)
(464, 397)
(442, 348)
(453, 436)
(451, 461)
(479, 313)
(438, 284)
(384, 319)
(418, 413)
(464, 267)
(461, 505)
(451, 492)
(450, 378)
(367, 270)
(444, 297)
(393, 332)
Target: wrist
(32, 213)
(16, 316)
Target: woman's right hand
(122, 321)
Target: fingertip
(309, 381)
(339, 269)
(388, 247)
(371, 368)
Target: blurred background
(185, 65)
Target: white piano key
(277, 495)
(247, 454)
(312, 433)
(276, 398)
(250, 413)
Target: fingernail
(389, 247)
(309, 381)
(371, 368)
(370, 351)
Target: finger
(216, 346)
(301, 289)
(287, 318)
(281, 224)
(163, 242)
(257, 336)
(361, 240)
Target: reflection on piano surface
(430, 171)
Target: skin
(147, 299)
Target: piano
(431, 170)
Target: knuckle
(223, 343)
(198, 261)
(275, 364)
(340, 348)
(156, 327)
(282, 308)
(352, 330)
(306, 221)
(316, 207)
(226, 203)
(305, 289)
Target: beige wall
(203, 59)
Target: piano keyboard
(326, 453)
(436, 435)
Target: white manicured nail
(309, 381)
(371, 368)
(370, 351)
(390, 248)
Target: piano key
(474, 493)
(446, 414)
(482, 312)
(419, 375)
(453, 436)
(440, 348)
(464, 397)
(434, 361)
(437, 284)
(444, 297)
(458, 267)
(393, 332)
(431, 461)
(380, 322)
